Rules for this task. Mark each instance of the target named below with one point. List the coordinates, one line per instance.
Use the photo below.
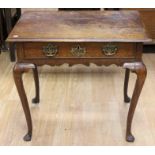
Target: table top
(79, 26)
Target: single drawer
(79, 50)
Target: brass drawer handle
(110, 49)
(50, 50)
(78, 51)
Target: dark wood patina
(81, 37)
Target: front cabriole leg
(18, 71)
(140, 70)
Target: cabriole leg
(18, 71)
(140, 70)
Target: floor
(79, 106)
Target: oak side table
(81, 37)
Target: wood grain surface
(79, 26)
(147, 15)
(93, 50)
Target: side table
(81, 37)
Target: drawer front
(79, 50)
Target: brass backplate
(78, 51)
(110, 49)
(50, 50)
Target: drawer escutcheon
(110, 49)
(50, 50)
(78, 51)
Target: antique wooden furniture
(1, 30)
(148, 18)
(99, 37)
(2, 34)
(79, 9)
(8, 18)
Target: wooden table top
(79, 26)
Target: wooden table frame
(30, 54)
(137, 67)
